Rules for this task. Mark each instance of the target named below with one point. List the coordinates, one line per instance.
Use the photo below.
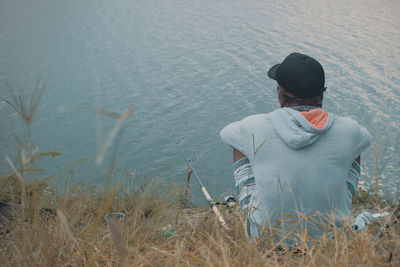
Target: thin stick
(376, 174)
(185, 197)
(211, 202)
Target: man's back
(299, 166)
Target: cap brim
(272, 71)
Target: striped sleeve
(244, 182)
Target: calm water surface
(190, 67)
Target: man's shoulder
(257, 118)
(345, 121)
(247, 123)
(254, 121)
(351, 127)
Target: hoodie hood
(298, 129)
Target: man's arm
(244, 179)
(237, 155)
(353, 177)
(358, 159)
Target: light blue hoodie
(299, 169)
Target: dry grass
(42, 225)
(66, 228)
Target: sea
(188, 68)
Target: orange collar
(317, 117)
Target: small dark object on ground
(5, 212)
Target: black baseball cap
(301, 75)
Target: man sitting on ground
(297, 161)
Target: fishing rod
(211, 202)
